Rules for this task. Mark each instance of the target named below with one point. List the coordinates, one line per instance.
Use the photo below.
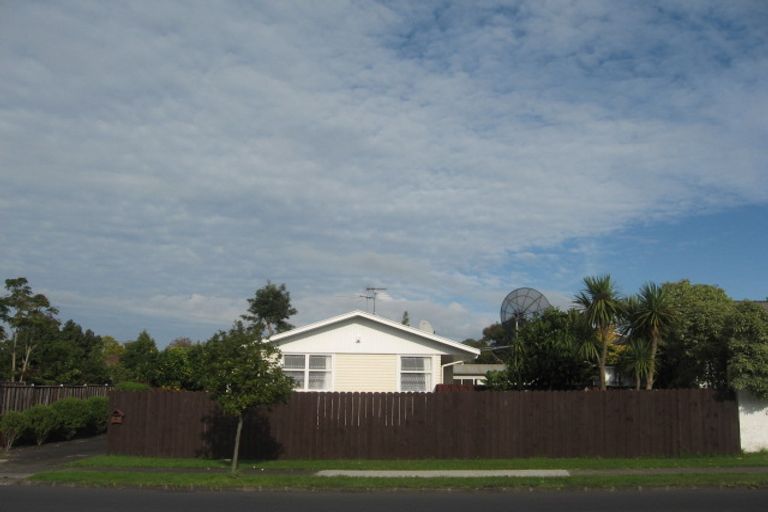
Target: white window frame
(430, 384)
(307, 370)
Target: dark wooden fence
(19, 397)
(434, 425)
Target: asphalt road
(65, 499)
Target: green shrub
(41, 421)
(131, 386)
(98, 414)
(72, 415)
(12, 425)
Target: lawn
(123, 462)
(123, 471)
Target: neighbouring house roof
(286, 336)
(460, 370)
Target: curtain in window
(319, 362)
(414, 382)
(293, 361)
(415, 364)
(319, 380)
(298, 377)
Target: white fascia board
(284, 336)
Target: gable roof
(284, 336)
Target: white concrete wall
(753, 422)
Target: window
(310, 372)
(415, 374)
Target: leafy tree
(140, 358)
(26, 314)
(636, 359)
(111, 354)
(269, 310)
(695, 352)
(180, 366)
(71, 356)
(182, 342)
(487, 355)
(548, 353)
(650, 315)
(601, 307)
(243, 372)
(747, 334)
(497, 340)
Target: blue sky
(161, 161)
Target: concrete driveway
(24, 461)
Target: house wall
(361, 337)
(365, 372)
(753, 422)
(371, 372)
(366, 355)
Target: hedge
(65, 419)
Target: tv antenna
(371, 295)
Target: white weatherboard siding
(365, 372)
(753, 422)
(367, 351)
(360, 337)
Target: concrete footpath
(449, 473)
(534, 473)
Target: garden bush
(72, 415)
(12, 425)
(41, 421)
(131, 386)
(98, 414)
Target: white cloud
(449, 153)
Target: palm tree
(651, 315)
(636, 358)
(601, 307)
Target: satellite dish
(424, 325)
(521, 305)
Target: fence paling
(19, 397)
(443, 425)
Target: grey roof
(476, 369)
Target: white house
(358, 351)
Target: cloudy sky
(160, 161)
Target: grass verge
(121, 461)
(217, 481)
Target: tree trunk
(25, 362)
(652, 362)
(13, 357)
(637, 380)
(236, 454)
